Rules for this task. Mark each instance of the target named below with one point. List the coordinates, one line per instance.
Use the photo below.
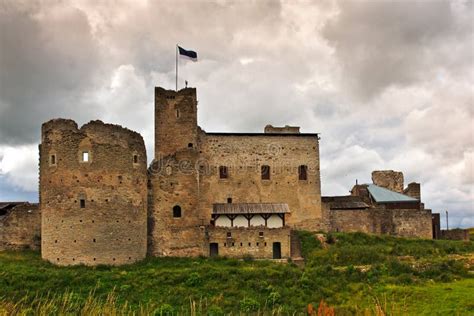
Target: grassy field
(353, 273)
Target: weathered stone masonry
(20, 226)
(186, 174)
(93, 193)
(100, 204)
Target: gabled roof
(250, 208)
(382, 195)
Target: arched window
(176, 211)
(303, 172)
(223, 172)
(265, 172)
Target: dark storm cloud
(47, 60)
(388, 84)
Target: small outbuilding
(258, 230)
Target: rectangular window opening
(223, 172)
(82, 203)
(53, 159)
(265, 172)
(135, 159)
(85, 156)
(303, 172)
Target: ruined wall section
(409, 223)
(244, 156)
(20, 228)
(414, 190)
(351, 221)
(174, 183)
(455, 234)
(175, 121)
(412, 223)
(109, 225)
(287, 129)
(389, 179)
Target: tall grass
(351, 275)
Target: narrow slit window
(223, 172)
(303, 172)
(176, 211)
(177, 113)
(53, 159)
(82, 203)
(85, 156)
(135, 158)
(265, 172)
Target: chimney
(414, 190)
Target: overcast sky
(387, 84)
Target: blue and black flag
(188, 54)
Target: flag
(189, 54)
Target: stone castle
(203, 194)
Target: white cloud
(19, 165)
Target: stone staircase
(295, 249)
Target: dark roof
(250, 208)
(383, 195)
(345, 202)
(263, 134)
(9, 205)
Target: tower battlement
(93, 193)
(175, 121)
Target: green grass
(356, 274)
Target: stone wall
(185, 173)
(408, 223)
(414, 190)
(269, 129)
(351, 221)
(244, 155)
(174, 179)
(412, 223)
(175, 121)
(93, 212)
(20, 228)
(455, 234)
(248, 241)
(389, 179)
(174, 183)
(436, 225)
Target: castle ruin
(203, 194)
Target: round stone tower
(93, 194)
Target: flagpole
(176, 67)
